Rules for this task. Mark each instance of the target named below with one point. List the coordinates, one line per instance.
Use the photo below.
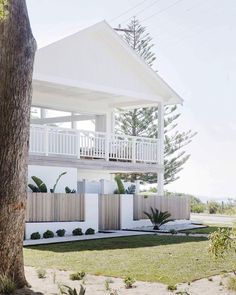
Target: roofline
(141, 60)
(121, 41)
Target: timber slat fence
(42, 207)
(177, 206)
(109, 212)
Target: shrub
(77, 232)
(41, 273)
(220, 242)
(158, 218)
(231, 283)
(173, 231)
(61, 232)
(90, 231)
(120, 185)
(7, 286)
(77, 276)
(70, 191)
(129, 282)
(198, 208)
(35, 236)
(48, 234)
(172, 287)
(213, 207)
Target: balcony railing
(49, 141)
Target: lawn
(166, 259)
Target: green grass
(166, 259)
(206, 230)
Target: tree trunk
(17, 49)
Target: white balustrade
(46, 140)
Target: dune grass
(166, 259)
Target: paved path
(213, 219)
(112, 234)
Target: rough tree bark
(17, 50)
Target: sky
(195, 46)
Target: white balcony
(80, 144)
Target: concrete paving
(174, 225)
(216, 219)
(177, 225)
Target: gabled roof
(95, 64)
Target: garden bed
(96, 285)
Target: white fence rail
(48, 140)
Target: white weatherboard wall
(91, 220)
(126, 211)
(49, 175)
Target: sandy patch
(96, 285)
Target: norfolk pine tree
(143, 121)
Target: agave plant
(158, 218)
(70, 291)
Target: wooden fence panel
(178, 207)
(47, 207)
(109, 212)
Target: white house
(90, 74)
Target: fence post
(102, 186)
(46, 141)
(137, 187)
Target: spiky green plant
(158, 218)
(40, 186)
(120, 185)
(70, 291)
(52, 190)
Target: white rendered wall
(126, 211)
(94, 175)
(50, 174)
(91, 220)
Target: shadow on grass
(117, 243)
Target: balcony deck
(93, 150)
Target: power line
(162, 10)
(127, 11)
(179, 41)
(197, 5)
(140, 11)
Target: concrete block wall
(126, 212)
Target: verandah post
(160, 174)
